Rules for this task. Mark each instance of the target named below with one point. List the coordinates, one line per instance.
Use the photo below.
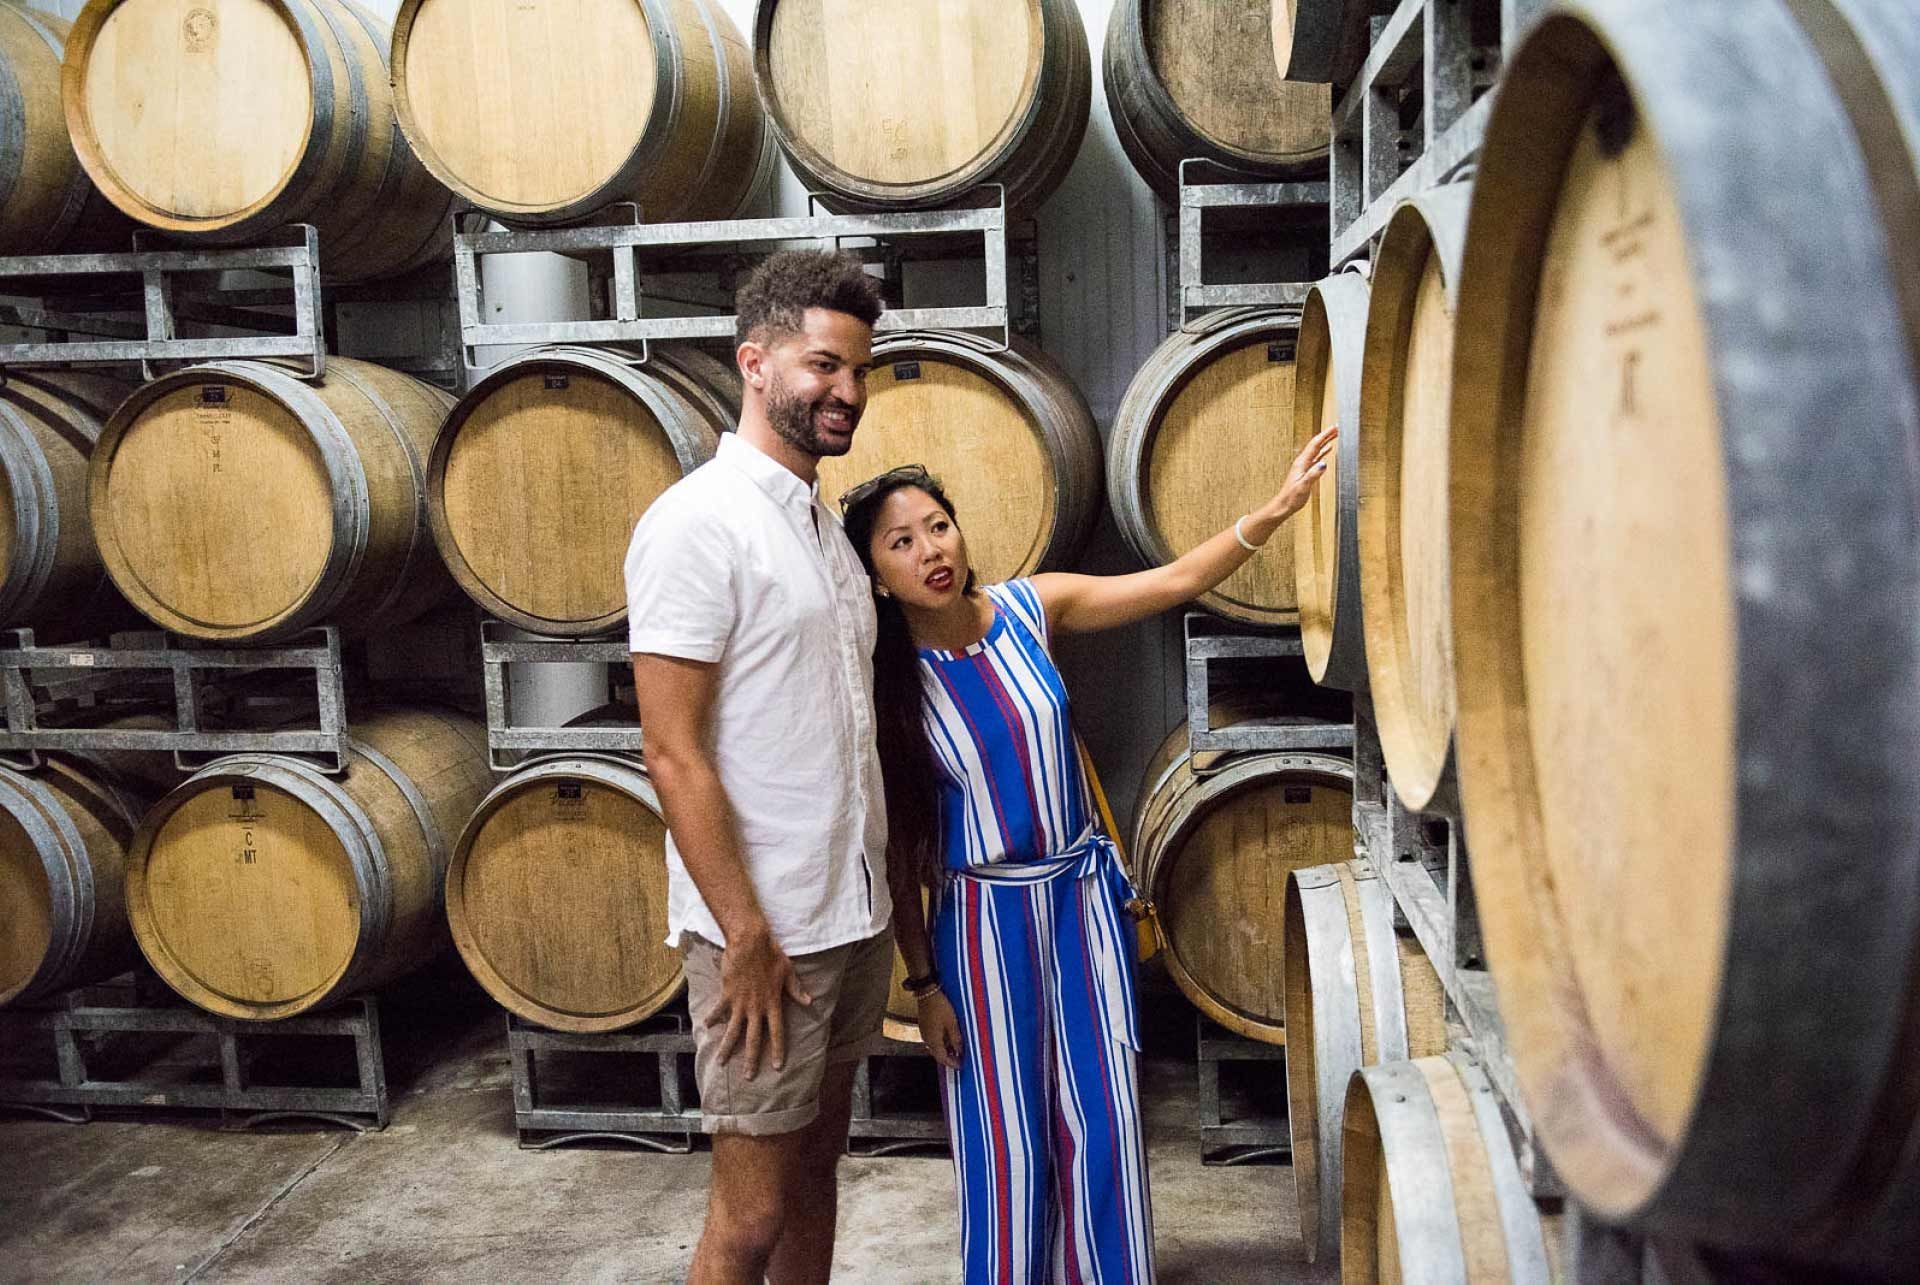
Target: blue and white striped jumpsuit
(1033, 949)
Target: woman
(1025, 985)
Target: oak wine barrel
(261, 887)
(1212, 849)
(1402, 498)
(494, 93)
(225, 119)
(883, 108)
(1006, 432)
(47, 202)
(557, 894)
(1432, 1192)
(1326, 543)
(1195, 78)
(64, 832)
(1201, 437)
(51, 578)
(539, 474)
(233, 501)
(1654, 529)
(1323, 41)
(1358, 993)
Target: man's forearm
(695, 804)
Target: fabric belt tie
(1095, 861)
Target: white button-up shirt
(740, 565)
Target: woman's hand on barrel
(1309, 466)
(940, 1028)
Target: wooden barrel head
(985, 445)
(245, 900)
(902, 97)
(1219, 452)
(541, 485)
(200, 109)
(1215, 59)
(1621, 302)
(1326, 546)
(26, 930)
(219, 504)
(517, 142)
(1404, 573)
(557, 896)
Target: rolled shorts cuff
(762, 1123)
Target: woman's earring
(880, 591)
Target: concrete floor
(445, 1194)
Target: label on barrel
(1297, 794)
(213, 394)
(905, 370)
(569, 796)
(1282, 351)
(558, 383)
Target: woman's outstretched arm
(1084, 604)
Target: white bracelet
(1241, 536)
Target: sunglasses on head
(905, 475)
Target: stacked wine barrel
(877, 108)
(1213, 841)
(232, 118)
(47, 202)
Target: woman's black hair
(907, 770)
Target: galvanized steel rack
(1424, 52)
(62, 683)
(1190, 292)
(1210, 639)
(509, 743)
(635, 248)
(668, 1125)
(79, 1027)
(1225, 1139)
(878, 1127)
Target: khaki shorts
(849, 987)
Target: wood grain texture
(540, 473)
(885, 108)
(1195, 78)
(1202, 438)
(47, 202)
(1214, 852)
(1326, 540)
(1611, 313)
(1008, 435)
(51, 577)
(224, 119)
(649, 101)
(557, 895)
(233, 501)
(1404, 575)
(261, 888)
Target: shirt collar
(767, 473)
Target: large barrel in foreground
(1202, 437)
(496, 96)
(1195, 78)
(1652, 531)
(227, 119)
(1403, 492)
(47, 202)
(882, 107)
(540, 473)
(51, 577)
(1005, 431)
(1432, 1191)
(233, 501)
(1359, 992)
(261, 887)
(557, 895)
(1212, 848)
(1326, 545)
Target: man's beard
(792, 419)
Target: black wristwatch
(923, 986)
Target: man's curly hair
(774, 300)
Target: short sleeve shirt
(740, 565)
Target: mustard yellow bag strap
(1145, 922)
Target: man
(752, 629)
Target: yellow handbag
(1146, 921)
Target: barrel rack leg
(877, 1130)
(1228, 1140)
(667, 1125)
